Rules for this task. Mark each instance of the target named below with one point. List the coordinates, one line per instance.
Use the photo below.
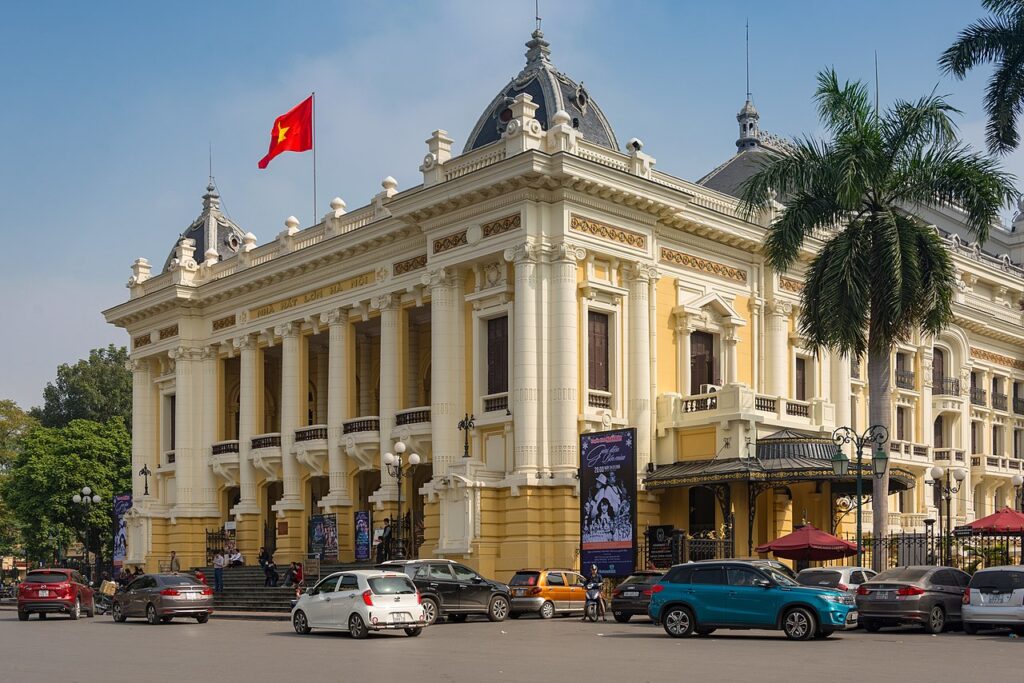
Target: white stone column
(390, 379)
(525, 357)
(638, 395)
(839, 380)
(729, 342)
(337, 404)
(293, 400)
(447, 385)
(563, 360)
(144, 417)
(248, 413)
(683, 332)
(926, 435)
(777, 351)
(205, 480)
(186, 426)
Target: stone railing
(412, 416)
(224, 447)
(369, 423)
(473, 161)
(602, 155)
(272, 440)
(798, 408)
(311, 433)
(599, 399)
(767, 404)
(495, 403)
(906, 450)
(169, 457)
(951, 455)
(697, 404)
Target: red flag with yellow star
(292, 132)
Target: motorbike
(590, 609)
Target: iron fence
(960, 549)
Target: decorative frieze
(703, 265)
(409, 265)
(169, 331)
(502, 225)
(999, 359)
(449, 242)
(361, 280)
(142, 340)
(606, 232)
(790, 285)
(224, 323)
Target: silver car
(161, 597)
(846, 579)
(925, 595)
(995, 598)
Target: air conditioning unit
(709, 388)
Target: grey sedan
(924, 595)
(161, 597)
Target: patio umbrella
(809, 543)
(1006, 520)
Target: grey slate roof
(551, 90)
(211, 228)
(730, 176)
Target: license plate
(883, 595)
(191, 596)
(520, 591)
(631, 594)
(997, 598)
(851, 616)
(44, 594)
(400, 617)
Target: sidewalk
(12, 606)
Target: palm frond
(805, 214)
(984, 41)
(1007, 8)
(935, 297)
(842, 108)
(887, 289)
(783, 174)
(927, 120)
(1004, 97)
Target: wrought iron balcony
(412, 416)
(999, 401)
(311, 433)
(361, 424)
(979, 396)
(266, 441)
(905, 379)
(1018, 406)
(945, 386)
(223, 447)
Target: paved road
(100, 651)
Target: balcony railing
(1018, 406)
(945, 386)
(765, 403)
(495, 403)
(412, 416)
(949, 455)
(699, 404)
(905, 379)
(978, 396)
(361, 424)
(266, 441)
(169, 457)
(599, 399)
(798, 408)
(223, 447)
(999, 401)
(311, 433)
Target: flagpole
(314, 157)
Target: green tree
(1000, 39)
(881, 273)
(14, 425)
(55, 463)
(97, 388)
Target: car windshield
(779, 577)
(998, 581)
(642, 579)
(524, 579)
(819, 578)
(46, 577)
(391, 585)
(901, 574)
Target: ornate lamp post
(145, 472)
(85, 499)
(875, 434)
(945, 491)
(397, 469)
(1017, 481)
(465, 424)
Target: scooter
(590, 608)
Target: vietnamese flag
(292, 132)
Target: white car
(361, 601)
(846, 579)
(995, 598)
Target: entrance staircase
(244, 590)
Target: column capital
(288, 329)
(135, 365)
(527, 252)
(565, 252)
(179, 353)
(211, 352)
(335, 316)
(386, 302)
(640, 272)
(247, 342)
(781, 308)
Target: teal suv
(703, 596)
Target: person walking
(270, 573)
(385, 539)
(175, 563)
(220, 560)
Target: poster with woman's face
(608, 497)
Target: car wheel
(498, 609)
(300, 623)
(936, 620)
(547, 610)
(151, 615)
(166, 620)
(622, 617)
(871, 625)
(430, 611)
(119, 616)
(704, 631)
(76, 611)
(413, 632)
(22, 616)
(970, 629)
(799, 624)
(678, 622)
(356, 627)
(203, 618)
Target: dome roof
(211, 229)
(551, 90)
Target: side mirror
(763, 583)
(477, 579)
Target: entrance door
(702, 360)
(702, 510)
(938, 367)
(274, 491)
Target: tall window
(938, 366)
(172, 410)
(497, 355)
(937, 438)
(703, 368)
(975, 445)
(597, 350)
(801, 379)
(901, 424)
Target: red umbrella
(1006, 520)
(809, 543)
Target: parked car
(846, 579)
(547, 592)
(925, 595)
(55, 590)
(995, 598)
(161, 597)
(361, 601)
(632, 596)
(763, 562)
(705, 596)
(453, 590)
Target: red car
(55, 590)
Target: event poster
(608, 502)
(364, 539)
(122, 503)
(323, 536)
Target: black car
(632, 596)
(453, 590)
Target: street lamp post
(85, 499)
(397, 469)
(465, 424)
(875, 434)
(945, 491)
(145, 472)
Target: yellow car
(547, 592)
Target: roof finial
(211, 162)
(748, 59)
(536, 7)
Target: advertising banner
(122, 503)
(608, 502)
(363, 536)
(323, 536)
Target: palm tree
(881, 273)
(1000, 39)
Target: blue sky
(109, 107)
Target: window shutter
(598, 350)
(497, 355)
